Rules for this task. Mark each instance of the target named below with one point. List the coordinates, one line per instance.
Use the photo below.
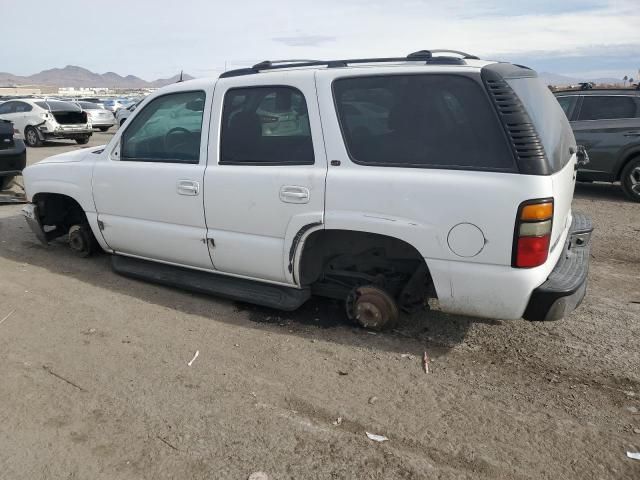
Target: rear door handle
(632, 134)
(294, 194)
(188, 187)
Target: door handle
(632, 134)
(294, 194)
(188, 187)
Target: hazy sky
(157, 38)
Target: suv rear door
(265, 178)
(605, 124)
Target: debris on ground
(194, 358)
(373, 400)
(60, 377)
(338, 421)
(425, 362)
(636, 430)
(8, 315)
(342, 372)
(258, 476)
(407, 355)
(377, 438)
(634, 455)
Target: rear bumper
(566, 286)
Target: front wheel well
(334, 262)
(58, 213)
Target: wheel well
(630, 158)
(58, 213)
(333, 262)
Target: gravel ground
(95, 382)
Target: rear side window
(607, 107)
(434, 121)
(265, 126)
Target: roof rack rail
(421, 55)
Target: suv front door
(266, 176)
(148, 188)
(604, 125)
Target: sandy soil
(94, 382)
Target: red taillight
(533, 233)
(532, 251)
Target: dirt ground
(94, 381)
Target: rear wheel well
(58, 213)
(334, 262)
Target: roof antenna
(180, 79)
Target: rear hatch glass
(6, 135)
(548, 118)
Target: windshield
(89, 106)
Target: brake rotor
(372, 308)
(80, 241)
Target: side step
(265, 294)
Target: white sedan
(40, 120)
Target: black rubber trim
(566, 286)
(250, 291)
(296, 241)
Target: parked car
(13, 155)
(100, 118)
(124, 113)
(607, 123)
(41, 120)
(464, 197)
(95, 100)
(114, 105)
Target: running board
(250, 291)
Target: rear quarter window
(430, 121)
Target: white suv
(381, 182)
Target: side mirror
(583, 156)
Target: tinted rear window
(436, 121)
(548, 118)
(607, 107)
(58, 106)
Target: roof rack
(421, 55)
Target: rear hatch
(65, 113)
(556, 136)
(6, 135)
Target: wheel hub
(372, 308)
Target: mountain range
(73, 76)
(561, 80)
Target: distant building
(23, 90)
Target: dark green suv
(607, 123)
